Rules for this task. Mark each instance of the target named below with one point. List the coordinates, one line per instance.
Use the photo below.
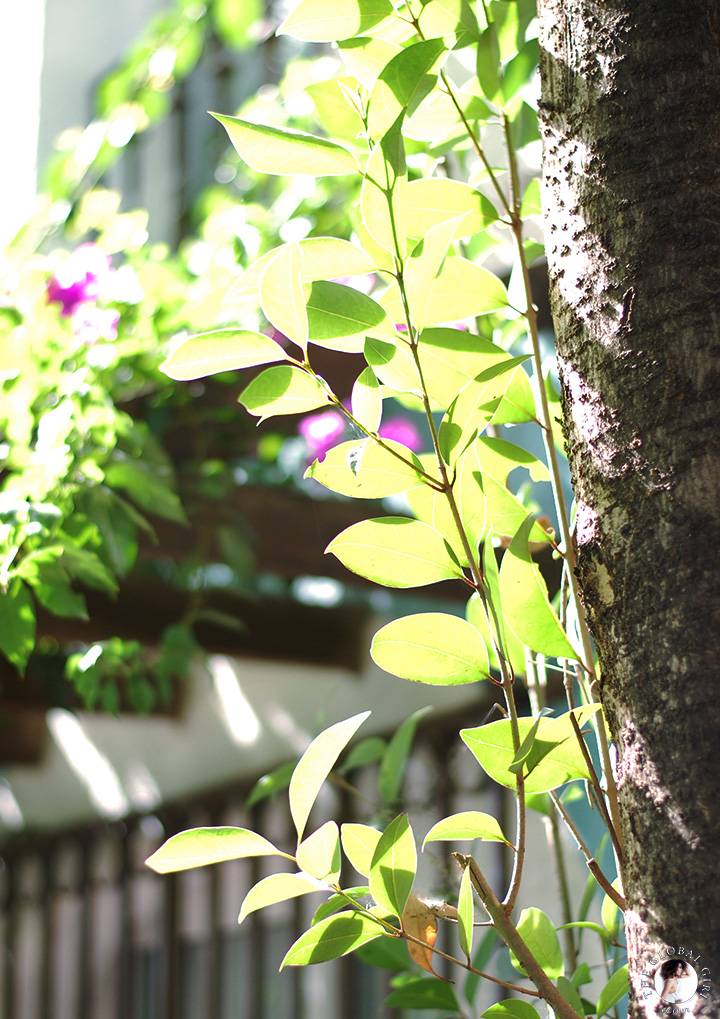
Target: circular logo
(676, 980)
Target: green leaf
(422, 993)
(366, 401)
(531, 205)
(498, 457)
(448, 17)
(395, 758)
(387, 953)
(488, 62)
(148, 483)
(339, 902)
(200, 846)
(511, 1008)
(395, 552)
(476, 405)
(340, 317)
(382, 196)
(525, 602)
(393, 364)
(359, 842)
(332, 20)
(366, 56)
(283, 390)
(319, 854)
(431, 647)
(435, 200)
(537, 931)
(555, 757)
(610, 912)
(570, 995)
(17, 623)
(331, 938)
(367, 751)
(460, 290)
(422, 267)
(282, 151)
(321, 258)
(315, 764)
(470, 824)
(394, 861)
(475, 613)
(466, 914)
(220, 351)
(367, 470)
(271, 784)
(276, 888)
(616, 988)
(433, 507)
(402, 84)
(282, 297)
(523, 751)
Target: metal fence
(89, 931)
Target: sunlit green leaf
(403, 84)
(393, 364)
(431, 647)
(476, 406)
(283, 151)
(505, 510)
(340, 317)
(319, 854)
(395, 758)
(588, 925)
(466, 913)
(200, 846)
(282, 296)
(511, 1008)
(283, 390)
(525, 602)
(331, 938)
(331, 20)
(276, 888)
(488, 62)
(359, 842)
(538, 932)
(433, 506)
(315, 764)
(499, 457)
(434, 200)
(395, 551)
(461, 290)
(366, 401)
(555, 757)
(470, 824)
(394, 861)
(422, 267)
(220, 351)
(17, 623)
(531, 205)
(366, 56)
(321, 258)
(382, 196)
(367, 470)
(616, 988)
(338, 902)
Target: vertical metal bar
(85, 892)
(125, 962)
(172, 947)
(47, 905)
(214, 963)
(11, 931)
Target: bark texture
(630, 117)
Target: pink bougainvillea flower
(79, 279)
(402, 430)
(321, 432)
(92, 323)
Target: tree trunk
(630, 117)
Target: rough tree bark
(630, 116)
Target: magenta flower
(402, 430)
(321, 432)
(79, 279)
(92, 323)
